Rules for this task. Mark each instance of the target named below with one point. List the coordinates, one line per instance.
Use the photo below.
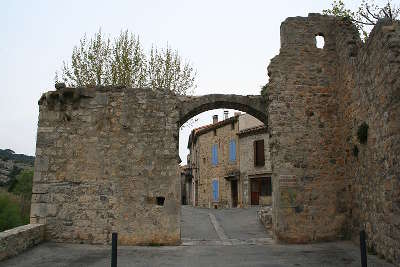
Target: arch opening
(224, 181)
(253, 105)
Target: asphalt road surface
(228, 237)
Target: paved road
(228, 226)
(231, 237)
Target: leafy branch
(100, 61)
(368, 14)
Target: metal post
(114, 250)
(363, 249)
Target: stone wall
(309, 188)
(104, 155)
(19, 239)
(107, 161)
(369, 92)
(327, 184)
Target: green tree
(100, 61)
(10, 213)
(22, 188)
(367, 15)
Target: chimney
(215, 119)
(237, 113)
(226, 112)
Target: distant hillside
(8, 154)
(11, 164)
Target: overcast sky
(230, 43)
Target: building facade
(220, 179)
(255, 166)
(214, 164)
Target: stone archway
(106, 158)
(191, 106)
(107, 161)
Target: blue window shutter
(232, 150)
(214, 154)
(215, 190)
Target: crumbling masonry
(107, 157)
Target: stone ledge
(19, 239)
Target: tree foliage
(367, 15)
(100, 61)
(10, 212)
(23, 184)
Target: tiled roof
(206, 128)
(253, 130)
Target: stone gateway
(107, 158)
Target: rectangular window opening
(266, 187)
(259, 157)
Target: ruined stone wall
(311, 194)
(103, 156)
(369, 91)
(327, 185)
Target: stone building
(214, 163)
(225, 171)
(255, 161)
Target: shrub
(23, 189)
(23, 184)
(10, 212)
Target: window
(215, 190)
(266, 187)
(319, 41)
(232, 150)
(259, 158)
(214, 154)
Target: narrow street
(222, 226)
(226, 237)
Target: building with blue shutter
(214, 162)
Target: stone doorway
(261, 191)
(234, 193)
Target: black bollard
(363, 249)
(114, 250)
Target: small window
(266, 187)
(214, 154)
(232, 150)
(259, 157)
(320, 41)
(160, 201)
(232, 126)
(215, 190)
(215, 132)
